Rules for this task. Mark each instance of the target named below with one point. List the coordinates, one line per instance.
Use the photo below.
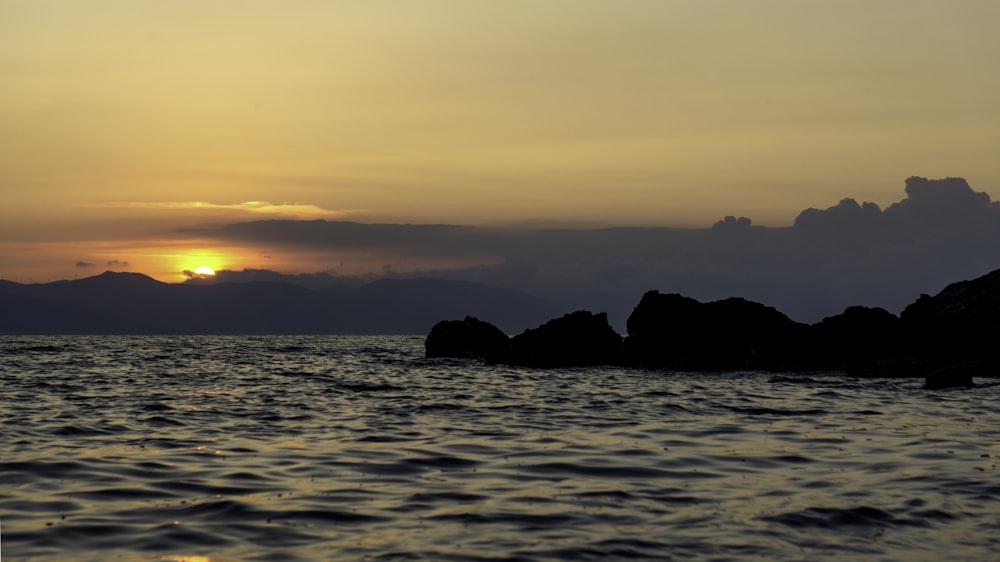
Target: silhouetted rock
(951, 377)
(897, 368)
(961, 324)
(575, 340)
(947, 339)
(469, 338)
(854, 339)
(659, 330)
(677, 332)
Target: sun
(204, 271)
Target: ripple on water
(302, 448)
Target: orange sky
(117, 117)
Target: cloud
(117, 263)
(84, 264)
(846, 217)
(928, 203)
(945, 196)
(288, 209)
(425, 240)
(732, 224)
(940, 202)
(847, 254)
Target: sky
(131, 130)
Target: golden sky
(122, 121)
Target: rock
(578, 339)
(469, 338)
(897, 368)
(958, 376)
(855, 339)
(658, 330)
(947, 338)
(958, 325)
(677, 332)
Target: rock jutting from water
(469, 338)
(947, 338)
(670, 331)
(578, 339)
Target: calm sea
(358, 448)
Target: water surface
(358, 448)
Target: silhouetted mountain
(318, 280)
(134, 303)
(28, 315)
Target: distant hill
(28, 315)
(131, 303)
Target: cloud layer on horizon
(847, 254)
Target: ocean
(284, 448)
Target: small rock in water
(950, 377)
(470, 338)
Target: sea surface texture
(358, 448)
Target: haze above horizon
(130, 131)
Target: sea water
(358, 448)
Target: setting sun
(205, 270)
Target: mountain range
(132, 303)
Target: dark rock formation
(947, 339)
(575, 340)
(854, 339)
(958, 376)
(469, 338)
(956, 331)
(959, 324)
(936, 337)
(676, 332)
(897, 368)
(659, 330)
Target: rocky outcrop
(956, 376)
(575, 340)
(854, 340)
(677, 332)
(959, 324)
(905, 367)
(947, 339)
(470, 338)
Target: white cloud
(285, 209)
